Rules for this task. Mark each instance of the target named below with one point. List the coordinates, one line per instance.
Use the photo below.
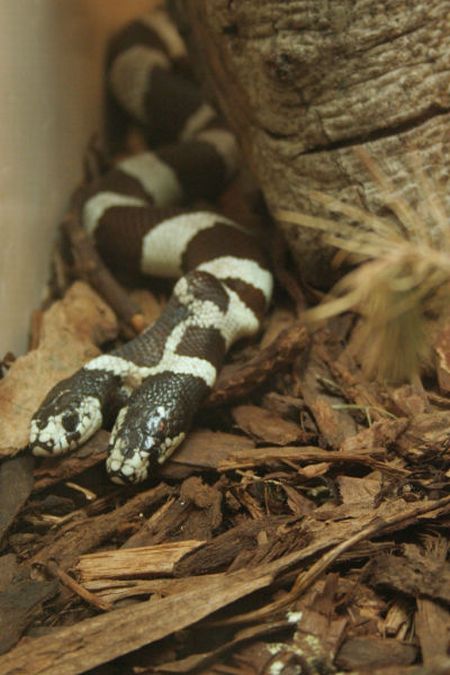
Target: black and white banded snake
(158, 380)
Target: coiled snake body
(158, 380)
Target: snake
(138, 213)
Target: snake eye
(70, 421)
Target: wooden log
(305, 83)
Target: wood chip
(397, 622)
(370, 653)
(114, 590)
(8, 569)
(279, 320)
(415, 573)
(432, 627)
(238, 380)
(364, 490)
(134, 562)
(18, 603)
(223, 549)
(319, 630)
(426, 436)
(267, 426)
(16, 482)
(334, 422)
(75, 539)
(204, 449)
(380, 434)
(53, 470)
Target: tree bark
(304, 82)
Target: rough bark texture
(302, 82)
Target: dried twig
(74, 586)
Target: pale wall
(50, 104)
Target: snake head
(66, 418)
(138, 442)
(152, 425)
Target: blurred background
(51, 54)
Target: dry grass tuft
(402, 288)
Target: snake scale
(137, 215)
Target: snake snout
(130, 452)
(50, 436)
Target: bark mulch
(303, 527)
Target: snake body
(136, 214)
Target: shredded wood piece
(77, 588)
(129, 562)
